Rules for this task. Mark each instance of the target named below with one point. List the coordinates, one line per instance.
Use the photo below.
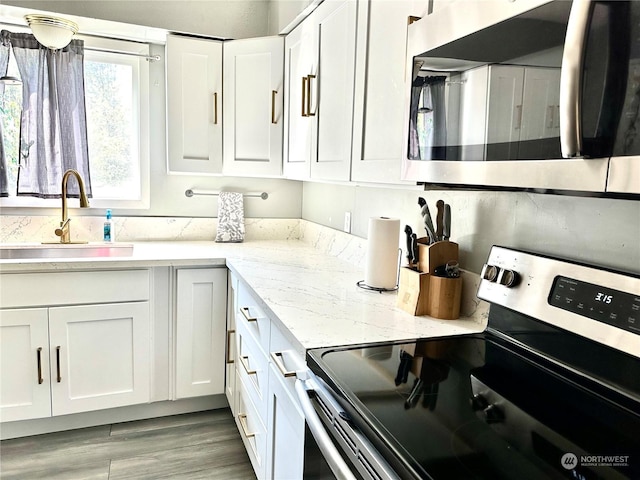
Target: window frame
(141, 93)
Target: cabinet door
(24, 365)
(286, 424)
(331, 91)
(194, 105)
(253, 99)
(231, 356)
(100, 356)
(200, 331)
(504, 120)
(540, 103)
(300, 68)
(379, 105)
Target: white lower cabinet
(270, 421)
(230, 355)
(64, 360)
(200, 331)
(286, 427)
(24, 364)
(73, 342)
(99, 356)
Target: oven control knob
(493, 414)
(490, 273)
(478, 402)
(508, 278)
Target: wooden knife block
(422, 292)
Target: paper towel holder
(364, 286)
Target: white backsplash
(21, 229)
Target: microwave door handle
(571, 78)
(329, 451)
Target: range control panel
(593, 302)
(620, 309)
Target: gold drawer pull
(242, 418)
(245, 363)
(229, 332)
(39, 358)
(305, 81)
(309, 78)
(59, 378)
(247, 315)
(215, 108)
(277, 359)
(273, 106)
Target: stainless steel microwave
(532, 94)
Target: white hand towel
(230, 217)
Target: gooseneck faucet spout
(64, 232)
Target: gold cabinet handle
(244, 360)
(39, 358)
(215, 108)
(59, 378)
(305, 82)
(309, 78)
(277, 359)
(247, 315)
(242, 418)
(411, 19)
(229, 333)
(273, 106)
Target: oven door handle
(331, 454)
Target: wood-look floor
(204, 445)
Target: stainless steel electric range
(551, 389)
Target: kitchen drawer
(73, 288)
(252, 429)
(286, 360)
(253, 367)
(250, 314)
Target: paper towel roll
(381, 267)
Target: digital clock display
(620, 309)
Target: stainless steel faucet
(64, 232)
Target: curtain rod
(149, 58)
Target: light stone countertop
(310, 293)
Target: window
(117, 104)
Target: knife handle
(446, 221)
(414, 248)
(439, 219)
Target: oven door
(334, 447)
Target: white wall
(218, 18)
(591, 230)
(167, 199)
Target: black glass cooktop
(482, 407)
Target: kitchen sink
(69, 250)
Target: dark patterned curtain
(4, 63)
(53, 130)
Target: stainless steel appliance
(551, 389)
(533, 94)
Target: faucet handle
(64, 228)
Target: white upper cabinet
(319, 79)
(194, 105)
(301, 65)
(253, 102)
(379, 106)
